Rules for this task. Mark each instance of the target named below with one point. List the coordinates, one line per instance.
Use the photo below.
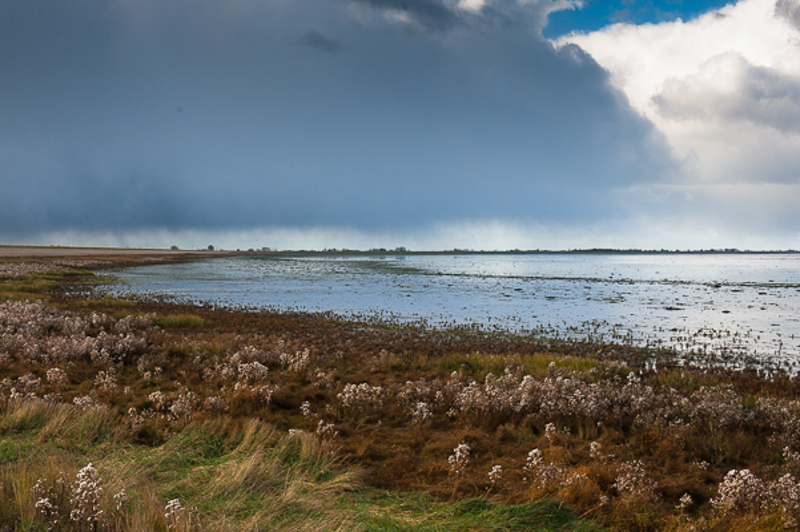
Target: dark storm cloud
(432, 14)
(397, 128)
(320, 42)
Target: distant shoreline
(22, 251)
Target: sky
(429, 124)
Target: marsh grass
(479, 364)
(178, 321)
(32, 283)
(17, 285)
(30, 287)
(105, 303)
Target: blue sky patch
(597, 14)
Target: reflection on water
(724, 305)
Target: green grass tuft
(407, 512)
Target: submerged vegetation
(119, 415)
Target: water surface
(737, 304)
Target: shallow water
(722, 305)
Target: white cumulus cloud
(723, 88)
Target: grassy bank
(262, 421)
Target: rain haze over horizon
(429, 124)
